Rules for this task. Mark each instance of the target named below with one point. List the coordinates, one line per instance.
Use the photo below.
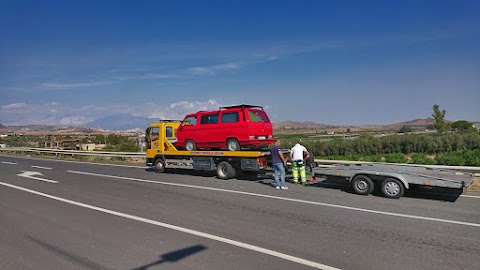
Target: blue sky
(333, 62)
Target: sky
(332, 62)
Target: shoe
(284, 187)
(277, 187)
(295, 181)
(304, 183)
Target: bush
(460, 158)
(422, 159)
(396, 158)
(450, 159)
(374, 158)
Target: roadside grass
(475, 185)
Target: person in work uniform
(298, 164)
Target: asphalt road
(91, 216)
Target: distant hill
(299, 125)
(413, 123)
(121, 122)
(44, 129)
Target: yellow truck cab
(161, 154)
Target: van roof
(241, 106)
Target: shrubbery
(396, 158)
(460, 158)
(421, 159)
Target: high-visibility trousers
(298, 166)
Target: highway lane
(323, 233)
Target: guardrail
(321, 162)
(75, 152)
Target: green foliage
(460, 158)
(422, 159)
(462, 126)
(406, 129)
(396, 158)
(439, 116)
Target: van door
(187, 130)
(209, 134)
(232, 126)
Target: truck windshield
(258, 116)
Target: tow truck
(162, 154)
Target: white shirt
(298, 151)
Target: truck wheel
(392, 188)
(225, 170)
(190, 145)
(233, 145)
(362, 185)
(159, 165)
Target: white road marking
(31, 175)
(6, 162)
(182, 229)
(286, 199)
(470, 196)
(40, 167)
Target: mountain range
(126, 122)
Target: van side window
(258, 116)
(190, 121)
(230, 117)
(209, 119)
(168, 132)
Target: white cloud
(73, 85)
(13, 106)
(211, 70)
(59, 114)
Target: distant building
(87, 146)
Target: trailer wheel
(362, 185)
(392, 188)
(233, 145)
(159, 165)
(190, 145)
(225, 170)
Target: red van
(231, 127)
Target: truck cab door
(154, 141)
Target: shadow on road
(174, 256)
(83, 262)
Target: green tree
(439, 117)
(462, 126)
(406, 129)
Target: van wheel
(225, 170)
(233, 145)
(190, 145)
(392, 188)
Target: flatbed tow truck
(161, 154)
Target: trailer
(394, 179)
(162, 154)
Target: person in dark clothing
(279, 163)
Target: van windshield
(258, 116)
